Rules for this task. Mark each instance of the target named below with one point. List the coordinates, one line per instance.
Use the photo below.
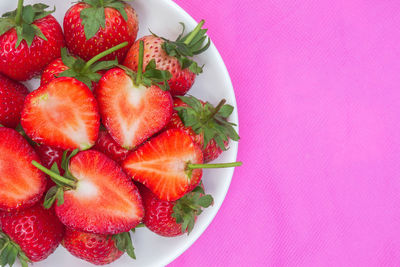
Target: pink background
(318, 88)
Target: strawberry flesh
(105, 201)
(63, 114)
(160, 164)
(21, 184)
(108, 146)
(131, 113)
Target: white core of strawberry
(86, 189)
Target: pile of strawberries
(109, 141)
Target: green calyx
(93, 17)
(63, 183)
(208, 120)
(191, 205)
(10, 251)
(187, 46)
(22, 20)
(123, 242)
(86, 72)
(151, 75)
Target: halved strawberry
(63, 114)
(161, 164)
(169, 164)
(98, 198)
(21, 184)
(133, 107)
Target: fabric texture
(318, 89)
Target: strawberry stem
(18, 18)
(54, 176)
(140, 64)
(191, 166)
(194, 33)
(103, 54)
(218, 108)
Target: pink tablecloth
(318, 89)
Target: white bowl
(163, 17)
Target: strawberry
(21, 184)
(30, 38)
(12, 96)
(173, 218)
(87, 72)
(96, 248)
(207, 124)
(108, 146)
(63, 114)
(30, 234)
(93, 26)
(94, 195)
(169, 164)
(132, 105)
(172, 56)
(49, 156)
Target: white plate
(163, 17)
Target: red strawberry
(87, 72)
(48, 156)
(161, 164)
(63, 114)
(132, 109)
(21, 184)
(99, 197)
(172, 56)
(30, 39)
(202, 121)
(173, 218)
(108, 146)
(91, 27)
(169, 164)
(12, 96)
(30, 234)
(96, 248)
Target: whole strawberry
(173, 56)
(30, 234)
(96, 248)
(12, 96)
(30, 38)
(93, 26)
(87, 72)
(173, 218)
(107, 145)
(206, 124)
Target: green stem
(54, 176)
(140, 64)
(103, 54)
(18, 18)
(213, 166)
(218, 108)
(194, 33)
(101, 2)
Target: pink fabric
(318, 89)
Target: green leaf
(4, 255)
(12, 255)
(92, 19)
(20, 37)
(28, 14)
(50, 197)
(60, 196)
(28, 33)
(206, 201)
(68, 73)
(39, 32)
(226, 111)
(66, 58)
(54, 168)
(120, 7)
(104, 65)
(151, 65)
(5, 25)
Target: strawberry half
(94, 195)
(173, 56)
(30, 38)
(30, 234)
(21, 184)
(87, 72)
(132, 105)
(107, 145)
(169, 164)
(63, 114)
(161, 164)
(97, 248)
